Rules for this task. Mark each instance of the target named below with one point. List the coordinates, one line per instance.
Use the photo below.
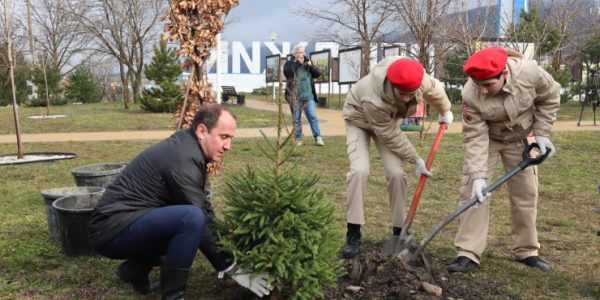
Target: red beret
(406, 74)
(486, 63)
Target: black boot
(173, 282)
(136, 273)
(461, 264)
(352, 246)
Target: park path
(332, 124)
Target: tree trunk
(30, 33)
(125, 83)
(366, 59)
(274, 295)
(46, 85)
(12, 81)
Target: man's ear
(201, 131)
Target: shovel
(411, 253)
(397, 244)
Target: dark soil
(373, 275)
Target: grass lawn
(109, 116)
(32, 266)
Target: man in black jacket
(158, 207)
(300, 92)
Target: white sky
(257, 19)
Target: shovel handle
(526, 162)
(410, 216)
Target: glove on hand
(257, 283)
(446, 117)
(545, 144)
(421, 169)
(478, 186)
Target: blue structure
(509, 12)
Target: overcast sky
(255, 20)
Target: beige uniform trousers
(471, 237)
(357, 142)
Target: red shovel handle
(421, 185)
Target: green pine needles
(164, 70)
(277, 222)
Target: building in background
(509, 12)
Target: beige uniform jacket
(528, 102)
(370, 105)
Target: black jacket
(170, 172)
(289, 70)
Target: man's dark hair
(209, 114)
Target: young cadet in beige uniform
(372, 110)
(506, 98)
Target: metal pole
(218, 70)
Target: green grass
(32, 266)
(569, 111)
(111, 116)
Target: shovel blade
(399, 245)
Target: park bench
(229, 91)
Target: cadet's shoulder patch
(466, 113)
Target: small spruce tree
(277, 222)
(164, 71)
(82, 86)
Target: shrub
(82, 86)
(41, 102)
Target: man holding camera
(300, 93)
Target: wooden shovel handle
(421, 185)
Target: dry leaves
(194, 24)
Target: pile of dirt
(373, 275)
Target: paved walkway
(332, 124)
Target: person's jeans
(175, 231)
(309, 108)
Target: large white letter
(238, 51)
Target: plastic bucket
(97, 175)
(74, 213)
(50, 195)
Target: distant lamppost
(273, 37)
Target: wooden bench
(229, 91)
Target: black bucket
(74, 213)
(50, 195)
(97, 175)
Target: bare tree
(468, 23)
(425, 20)
(58, 32)
(121, 29)
(351, 22)
(7, 25)
(103, 68)
(567, 16)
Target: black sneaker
(536, 262)
(461, 264)
(352, 246)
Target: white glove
(421, 169)
(545, 144)
(446, 117)
(257, 283)
(478, 186)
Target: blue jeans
(174, 231)
(311, 114)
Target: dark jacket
(170, 172)
(289, 70)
